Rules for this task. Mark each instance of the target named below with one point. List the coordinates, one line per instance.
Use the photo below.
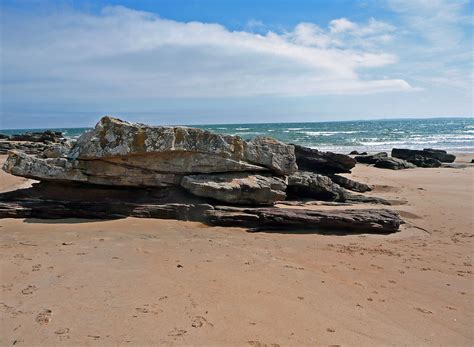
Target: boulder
(303, 184)
(125, 154)
(349, 184)
(181, 150)
(393, 164)
(89, 171)
(310, 159)
(422, 158)
(357, 153)
(370, 159)
(236, 188)
(56, 150)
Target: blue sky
(66, 63)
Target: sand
(143, 281)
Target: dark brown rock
(349, 184)
(309, 159)
(371, 159)
(393, 164)
(426, 158)
(367, 221)
(48, 201)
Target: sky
(67, 63)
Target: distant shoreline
(451, 134)
(260, 123)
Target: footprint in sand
(62, 333)
(423, 310)
(199, 321)
(36, 267)
(29, 290)
(177, 332)
(44, 317)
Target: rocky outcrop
(357, 153)
(125, 154)
(237, 188)
(31, 142)
(52, 201)
(370, 159)
(309, 159)
(26, 147)
(367, 221)
(414, 155)
(316, 186)
(349, 184)
(303, 184)
(393, 164)
(45, 136)
(181, 150)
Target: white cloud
(342, 24)
(123, 53)
(437, 41)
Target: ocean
(452, 134)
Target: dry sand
(143, 281)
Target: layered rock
(371, 158)
(309, 159)
(316, 186)
(422, 156)
(350, 184)
(126, 154)
(393, 164)
(181, 150)
(237, 188)
(26, 147)
(31, 142)
(45, 136)
(52, 201)
(303, 184)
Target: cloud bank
(122, 53)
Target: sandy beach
(147, 281)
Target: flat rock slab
(309, 159)
(48, 201)
(237, 188)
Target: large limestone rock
(181, 150)
(303, 184)
(236, 188)
(310, 159)
(125, 154)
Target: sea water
(452, 134)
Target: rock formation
(124, 154)
(371, 158)
(393, 164)
(309, 159)
(426, 158)
(237, 188)
(52, 200)
(123, 169)
(420, 157)
(31, 142)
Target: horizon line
(296, 122)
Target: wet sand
(143, 281)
